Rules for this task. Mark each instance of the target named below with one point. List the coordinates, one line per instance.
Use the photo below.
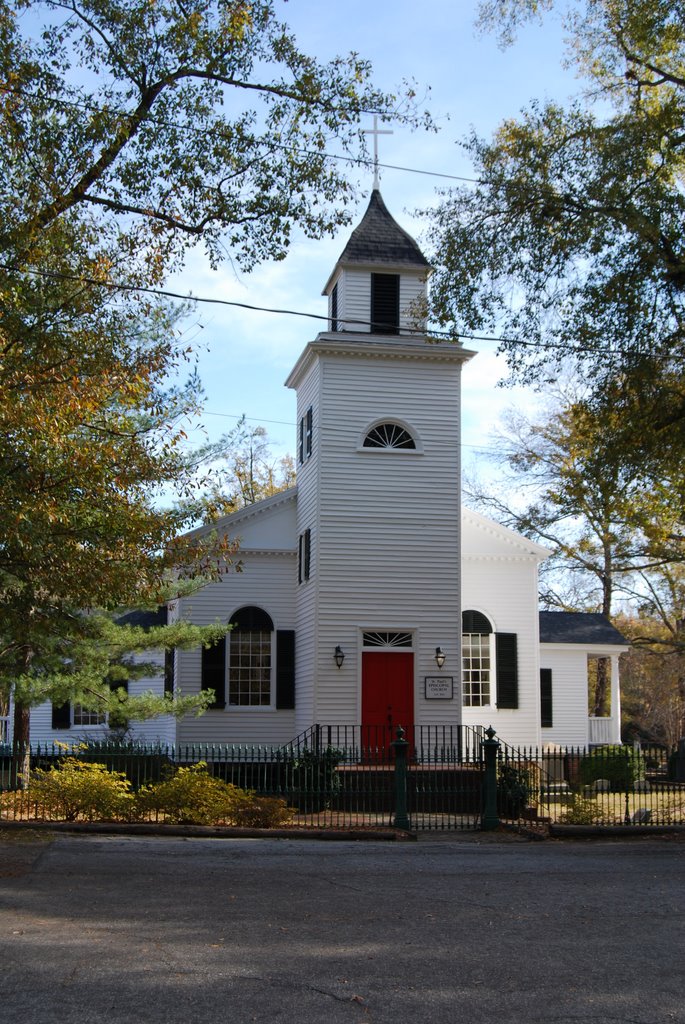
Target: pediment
(268, 525)
(482, 537)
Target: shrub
(518, 786)
(264, 812)
(622, 766)
(583, 811)
(313, 779)
(191, 796)
(79, 789)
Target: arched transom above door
(387, 639)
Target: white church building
(368, 595)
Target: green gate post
(400, 745)
(489, 818)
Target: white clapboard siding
(569, 694)
(354, 296)
(267, 580)
(304, 597)
(356, 306)
(500, 579)
(412, 292)
(155, 730)
(386, 523)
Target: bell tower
(378, 285)
(378, 494)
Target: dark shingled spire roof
(578, 628)
(380, 239)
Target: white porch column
(615, 701)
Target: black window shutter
(309, 430)
(546, 717)
(307, 553)
(61, 716)
(334, 308)
(507, 670)
(285, 668)
(169, 670)
(301, 440)
(385, 303)
(214, 672)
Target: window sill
(368, 450)
(260, 708)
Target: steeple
(378, 240)
(379, 279)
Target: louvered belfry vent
(385, 303)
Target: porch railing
(601, 731)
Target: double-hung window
(476, 656)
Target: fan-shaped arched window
(389, 435)
(476, 656)
(250, 657)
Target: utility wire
(287, 423)
(439, 334)
(92, 108)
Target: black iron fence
(435, 778)
(611, 785)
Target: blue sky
(244, 357)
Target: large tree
(653, 673)
(570, 245)
(562, 483)
(240, 468)
(90, 439)
(556, 485)
(171, 123)
(129, 132)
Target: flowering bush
(78, 789)
(192, 796)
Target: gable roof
(378, 238)
(143, 618)
(483, 536)
(578, 628)
(255, 511)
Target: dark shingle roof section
(145, 619)
(379, 239)
(578, 628)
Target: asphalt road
(193, 931)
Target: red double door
(387, 698)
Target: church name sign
(439, 687)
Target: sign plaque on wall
(439, 687)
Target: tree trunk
(603, 681)
(21, 750)
(602, 685)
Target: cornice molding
(243, 515)
(373, 346)
(529, 558)
(261, 552)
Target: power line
(260, 420)
(93, 108)
(206, 300)
(165, 293)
